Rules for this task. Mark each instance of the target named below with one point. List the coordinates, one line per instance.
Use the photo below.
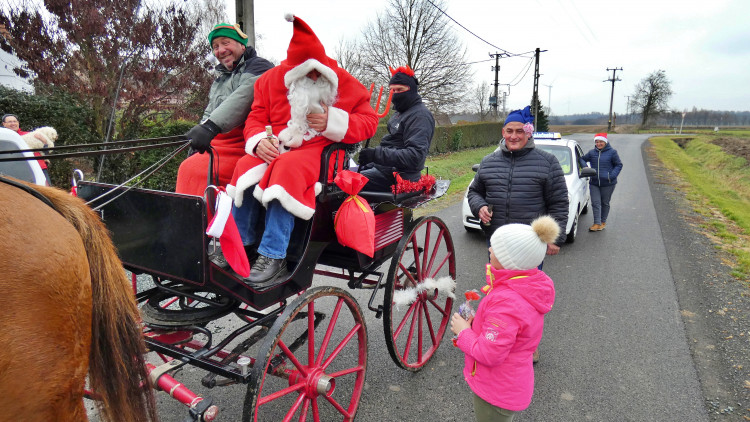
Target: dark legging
(600, 196)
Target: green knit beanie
(230, 31)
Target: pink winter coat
(505, 332)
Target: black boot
(216, 256)
(267, 272)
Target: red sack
(355, 222)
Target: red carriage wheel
(418, 293)
(312, 362)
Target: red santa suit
(292, 177)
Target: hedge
(456, 137)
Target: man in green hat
(229, 103)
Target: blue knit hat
(522, 116)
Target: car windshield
(563, 155)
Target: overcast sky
(704, 46)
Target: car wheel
(573, 231)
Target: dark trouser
(379, 182)
(485, 412)
(600, 196)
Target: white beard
(305, 96)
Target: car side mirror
(587, 172)
(475, 167)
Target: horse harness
(30, 191)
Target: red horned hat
(402, 69)
(306, 53)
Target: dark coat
(521, 186)
(404, 149)
(607, 164)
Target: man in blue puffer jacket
(520, 182)
(605, 160)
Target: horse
(67, 309)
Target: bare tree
(415, 33)
(146, 59)
(482, 99)
(651, 96)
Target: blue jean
(600, 196)
(279, 225)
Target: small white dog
(41, 137)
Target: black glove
(201, 135)
(367, 155)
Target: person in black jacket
(404, 149)
(519, 182)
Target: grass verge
(456, 167)
(718, 186)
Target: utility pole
(245, 14)
(627, 109)
(549, 99)
(496, 68)
(613, 79)
(535, 95)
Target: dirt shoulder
(714, 306)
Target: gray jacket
(231, 95)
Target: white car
(569, 154)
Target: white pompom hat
(523, 246)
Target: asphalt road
(614, 347)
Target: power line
(469, 31)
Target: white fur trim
(304, 68)
(285, 136)
(231, 190)
(223, 210)
(444, 285)
(277, 192)
(600, 138)
(248, 178)
(252, 142)
(318, 188)
(338, 124)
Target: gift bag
(355, 222)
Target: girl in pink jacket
(500, 340)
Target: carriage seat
(28, 171)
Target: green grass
(717, 180)
(456, 167)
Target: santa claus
(309, 103)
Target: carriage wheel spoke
(293, 358)
(343, 372)
(425, 253)
(311, 333)
(442, 263)
(435, 251)
(411, 330)
(417, 265)
(403, 321)
(293, 409)
(334, 403)
(407, 273)
(329, 331)
(305, 409)
(441, 310)
(280, 393)
(316, 411)
(420, 332)
(429, 324)
(341, 345)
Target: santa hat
(601, 137)
(306, 53)
(523, 246)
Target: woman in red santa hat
(309, 103)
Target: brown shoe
(595, 228)
(535, 356)
(602, 226)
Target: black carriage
(301, 350)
